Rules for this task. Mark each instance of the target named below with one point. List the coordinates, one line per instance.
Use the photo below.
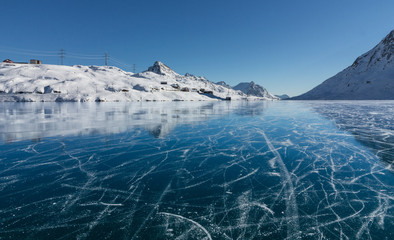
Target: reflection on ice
(21, 121)
(240, 170)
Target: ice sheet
(239, 170)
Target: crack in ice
(291, 203)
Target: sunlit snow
(54, 83)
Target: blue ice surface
(197, 170)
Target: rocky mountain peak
(162, 69)
(381, 54)
(389, 39)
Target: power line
(119, 62)
(87, 58)
(61, 55)
(73, 55)
(27, 53)
(85, 55)
(11, 49)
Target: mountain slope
(224, 84)
(370, 77)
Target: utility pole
(61, 55)
(106, 59)
(133, 68)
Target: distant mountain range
(48, 83)
(370, 77)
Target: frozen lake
(197, 170)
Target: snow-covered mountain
(371, 76)
(48, 83)
(283, 96)
(252, 89)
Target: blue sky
(285, 46)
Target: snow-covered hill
(48, 83)
(252, 89)
(371, 76)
